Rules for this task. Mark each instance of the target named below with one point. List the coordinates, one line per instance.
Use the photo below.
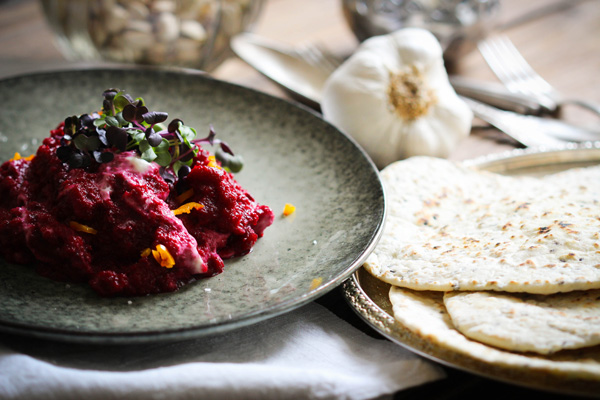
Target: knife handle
(495, 95)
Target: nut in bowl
(183, 33)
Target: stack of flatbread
(503, 269)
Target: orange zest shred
(288, 209)
(146, 252)
(316, 283)
(18, 156)
(163, 257)
(185, 195)
(187, 208)
(82, 228)
(212, 162)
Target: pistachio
(164, 31)
(193, 30)
(167, 27)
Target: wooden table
(564, 47)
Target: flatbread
(450, 227)
(424, 314)
(526, 322)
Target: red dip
(119, 225)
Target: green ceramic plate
(291, 156)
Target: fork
(519, 77)
(318, 56)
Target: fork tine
(318, 56)
(497, 60)
(515, 72)
(525, 73)
(518, 76)
(328, 57)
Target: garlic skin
(394, 98)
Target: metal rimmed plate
(291, 156)
(370, 297)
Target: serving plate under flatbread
(560, 373)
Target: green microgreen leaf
(187, 133)
(121, 100)
(111, 121)
(86, 143)
(147, 152)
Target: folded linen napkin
(307, 353)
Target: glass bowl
(183, 33)
(457, 24)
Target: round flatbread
(424, 314)
(450, 227)
(524, 322)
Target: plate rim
(184, 333)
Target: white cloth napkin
(306, 354)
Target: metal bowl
(458, 24)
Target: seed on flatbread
(450, 227)
(525, 322)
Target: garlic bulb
(393, 96)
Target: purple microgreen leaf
(186, 154)
(167, 175)
(72, 125)
(102, 136)
(87, 121)
(117, 137)
(63, 153)
(184, 171)
(133, 113)
(174, 125)
(129, 113)
(106, 157)
(139, 113)
(109, 94)
(225, 147)
(78, 159)
(211, 135)
(153, 138)
(103, 157)
(107, 107)
(155, 117)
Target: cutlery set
(523, 106)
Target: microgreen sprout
(126, 124)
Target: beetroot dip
(120, 226)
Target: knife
(531, 130)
